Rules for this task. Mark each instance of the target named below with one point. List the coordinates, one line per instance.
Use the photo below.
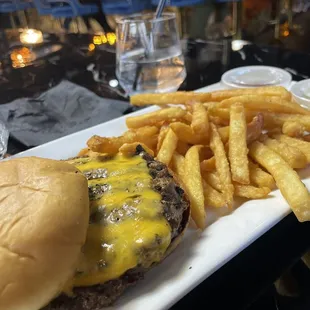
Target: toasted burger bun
(44, 213)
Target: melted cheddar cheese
(127, 226)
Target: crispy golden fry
(222, 165)
(218, 121)
(238, 151)
(263, 91)
(292, 155)
(254, 129)
(200, 121)
(208, 164)
(164, 106)
(287, 180)
(209, 104)
(260, 177)
(129, 149)
(212, 179)
(162, 134)
(307, 137)
(187, 118)
(303, 146)
(83, 152)
(155, 118)
(146, 135)
(224, 133)
(194, 187)
(182, 147)
(186, 134)
(168, 147)
(178, 166)
(251, 192)
(293, 129)
(272, 120)
(169, 98)
(262, 103)
(212, 197)
(205, 153)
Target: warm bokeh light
(21, 57)
(102, 38)
(91, 47)
(31, 36)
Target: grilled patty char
(175, 210)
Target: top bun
(44, 213)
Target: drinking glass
(4, 136)
(149, 54)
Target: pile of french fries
(223, 144)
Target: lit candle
(31, 36)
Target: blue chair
(180, 2)
(7, 6)
(44, 8)
(77, 8)
(125, 7)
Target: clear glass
(4, 136)
(149, 54)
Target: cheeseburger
(75, 234)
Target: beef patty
(175, 210)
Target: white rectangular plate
(200, 254)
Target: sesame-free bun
(44, 213)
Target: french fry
(307, 137)
(292, 155)
(212, 197)
(262, 103)
(222, 165)
(146, 135)
(251, 192)
(272, 120)
(205, 153)
(264, 91)
(194, 187)
(224, 133)
(169, 98)
(212, 179)
(186, 134)
(293, 129)
(303, 146)
(254, 129)
(208, 164)
(178, 166)
(200, 121)
(238, 151)
(83, 152)
(168, 147)
(182, 147)
(260, 177)
(155, 118)
(129, 149)
(161, 136)
(287, 180)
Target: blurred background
(272, 22)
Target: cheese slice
(127, 227)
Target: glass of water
(149, 54)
